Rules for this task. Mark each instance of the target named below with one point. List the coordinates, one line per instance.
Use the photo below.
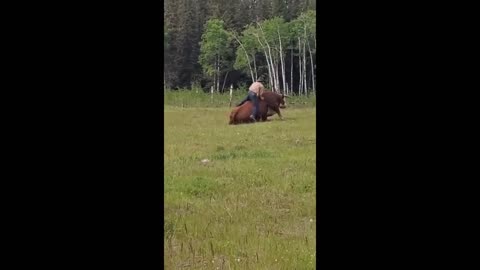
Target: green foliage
(306, 22)
(198, 41)
(270, 29)
(309, 22)
(214, 45)
(250, 46)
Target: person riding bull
(255, 91)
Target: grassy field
(252, 204)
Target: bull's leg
(270, 112)
(277, 110)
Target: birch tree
(309, 24)
(273, 34)
(246, 52)
(214, 49)
(276, 32)
(303, 30)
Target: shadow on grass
(276, 119)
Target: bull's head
(283, 103)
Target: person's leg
(257, 107)
(254, 99)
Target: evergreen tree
(253, 37)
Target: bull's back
(232, 116)
(241, 114)
(273, 99)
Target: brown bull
(269, 106)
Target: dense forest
(213, 44)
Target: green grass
(252, 206)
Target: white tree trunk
(218, 76)
(224, 81)
(266, 57)
(282, 63)
(271, 59)
(255, 68)
(269, 67)
(280, 86)
(305, 63)
(273, 68)
(215, 75)
(231, 95)
(274, 82)
(305, 68)
(276, 76)
(274, 72)
(300, 78)
(211, 94)
(248, 58)
(311, 66)
(291, 70)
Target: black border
(91, 137)
(94, 191)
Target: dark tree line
(213, 43)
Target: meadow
(238, 196)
